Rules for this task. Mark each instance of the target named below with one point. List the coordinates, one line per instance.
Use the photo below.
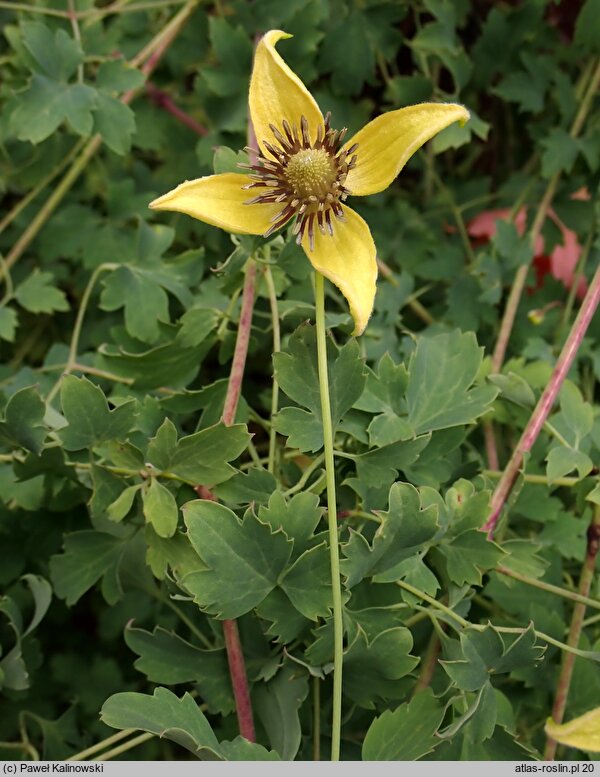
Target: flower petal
(219, 200)
(348, 259)
(387, 143)
(276, 92)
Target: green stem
(304, 478)
(594, 655)
(542, 480)
(76, 34)
(551, 589)
(83, 755)
(336, 586)
(124, 747)
(276, 348)
(316, 718)
(575, 629)
(72, 357)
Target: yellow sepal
(387, 143)
(349, 260)
(219, 200)
(582, 732)
(276, 92)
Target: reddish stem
(239, 679)
(544, 405)
(235, 656)
(164, 100)
(238, 364)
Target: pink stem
(545, 403)
(163, 100)
(235, 656)
(239, 679)
(241, 346)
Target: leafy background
(110, 588)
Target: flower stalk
(334, 553)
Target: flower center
(310, 171)
(306, 177)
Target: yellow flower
(305, 172)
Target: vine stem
(564, 593)
(334, 552)
(516, 291)
(568, 662)
(164, 100)
(74, 345)
(545, 403)
(233, 645)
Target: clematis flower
(303, 172)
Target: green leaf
(244, 559)
(89, 419)
(202, 458)
(43, 107)
(469, 555)
(255, 485)
(403, 530)
(8, 323)
(23, 424)
(406, 734)
(577, 414)
(165, 365)
(308, 583)
(298, 517)
(196, 325)
(483, 652)
(55, 52)
(115, 121)
(442, 371)
(119, 509)
(514, 388)
(117, 76)
(386, 429)
(586, 37)
(180, 720)
(277, 704)
(162, 446)
(87, 556)
(145, 301)
(163, 714)
(38, 295)
(559, 154)
(349, 73)
(380, 467)
(175, 553)
(373, 669)
(563, 460)
(286, 621)
(297, 375)
(160, 508)
(515, 248)
(167, 659)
